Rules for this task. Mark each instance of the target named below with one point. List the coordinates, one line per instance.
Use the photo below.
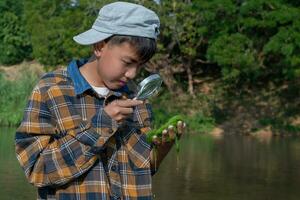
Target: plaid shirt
(71, 149)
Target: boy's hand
(120, 109)
(168, 135)
(163, 144)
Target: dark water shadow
(13, 184)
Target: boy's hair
(145, 47)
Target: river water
(230, 168)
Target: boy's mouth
(122, 82)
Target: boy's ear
(98, 48)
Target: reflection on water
(234, 168)
(13, 185)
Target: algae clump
(158, 132)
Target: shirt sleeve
(137, 146)
(146, 118)
(52, 157)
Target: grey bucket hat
(121, 18)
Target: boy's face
(116, 64)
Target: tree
(15, 45)
(52, 25)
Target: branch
(204, 61)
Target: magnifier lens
(149, 86)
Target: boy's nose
(131, 73)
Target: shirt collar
(81, 85)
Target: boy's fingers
(171, 132)
(156, 140)
(164, 136)
(180, 127)
(128, 103)
(165, 133)
(126, 111)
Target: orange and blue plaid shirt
(70, 148)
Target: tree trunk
(165, 69)
(169, 80)
(190, 78)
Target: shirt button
(114, 168)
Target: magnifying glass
(145, 89)
(148, 87)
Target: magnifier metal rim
(153, 77)
(148, 79)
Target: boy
(83, 135)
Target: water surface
(13, 185)
(232, 168)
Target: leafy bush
(57, 22)
(236, 55)
(15, 44)
(201, 123)
(238, 40)
(197, 112)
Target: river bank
(268, 110)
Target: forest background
(229, 66)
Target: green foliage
(158, 132)
(50, 42)
(201, 123)
(236, 54)
(14, 40)
(198, 113)
(57, 23)
(161, 111)
(14, 96)
(241, 42)
(280, 125)
(286, 46)
(197, 123)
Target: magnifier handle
(124, 97)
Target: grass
(13, 97)
(260, 107)
(197, 112)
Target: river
(230, 168)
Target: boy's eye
(126, 62)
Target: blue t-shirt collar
(80, 84)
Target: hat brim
(90, 37)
